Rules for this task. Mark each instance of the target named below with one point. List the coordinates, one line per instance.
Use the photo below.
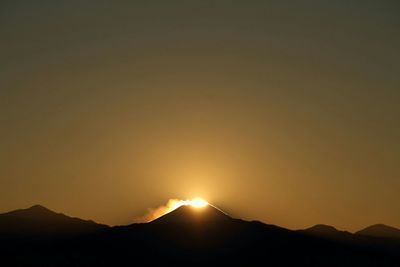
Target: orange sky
(271, 110)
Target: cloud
(154, 213)
(171, 205)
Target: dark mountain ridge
(190, 237)
(188, 214)
(42, 223)
(327, 231)
(380, 230)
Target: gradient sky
(283, 111)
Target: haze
(281, 111)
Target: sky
(282, 111)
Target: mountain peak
(39, 221)
(380, 230)
(189, 214)
(34, 212)
(327, 231)
(38, 208)
(322, 228)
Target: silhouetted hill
(380, 230)
(188, 214)
(197, 237)
(322, 229)
(327, 231)
(40, 222)
(186, 237)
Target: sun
(172, 204)
(197, 203)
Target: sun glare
(198, 203)
(172, 205)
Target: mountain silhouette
(189, 214)
(186, 236)
(40, 222)
(380, 230)
(322, 229)
(327, 231)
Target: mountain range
(187, 236)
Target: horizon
(167, 210)
(286, 112)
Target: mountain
(189, 214)
(322, 229)
(42, 223)
(326, 231)
(186, 236)
(380, 230)
(191, 236)
(208, 237)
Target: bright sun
(197, 203)
(173, 204)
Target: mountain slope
(40, 222)
(184, 237)
(327, 231)
(195, 237)
(380, 230)
(189, 214)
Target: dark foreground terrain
(187, 237)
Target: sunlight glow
(172, 205)
(197, 203)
